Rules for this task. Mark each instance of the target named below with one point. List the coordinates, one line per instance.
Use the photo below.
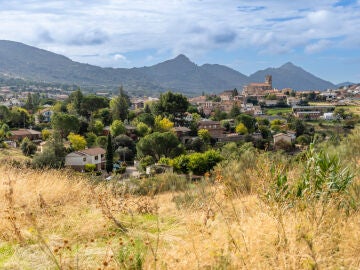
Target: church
(258, 88)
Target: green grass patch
(6, 252)
(278, 111)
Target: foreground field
(54, 220)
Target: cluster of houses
(247, 102)
(11, 98)
(264, 95)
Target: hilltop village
(69, 128)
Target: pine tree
(119, 106)
(109, 155)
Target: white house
(46, 115)
(78, 159)
(328, 116)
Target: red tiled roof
(92, 151)
(24, 132)
(182, 129)
(259, 84)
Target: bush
(121, 170)
(101, 141)
(146, 161)
(323, 175)
(3, 145)
(197, 163)
(28, 147)
(48, 158)
(90, 167)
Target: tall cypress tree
(109, 155)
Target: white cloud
(318, 46)
(120, 57)
(103, 28)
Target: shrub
(198, 163)
(101, 141)
(90, 167)
(28, 147)
(323, 175)
(121, 170)
(146, 161)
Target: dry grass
(64, 222)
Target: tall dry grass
(58, 220)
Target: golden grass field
(56, 220)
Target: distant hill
(289, 75)
(344, 84)
(25, 62)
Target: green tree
(204, 135)
(235, 111)
(235, 92)
(53, 155)
(77, 141)
(119, 106)
(104, 115)
(146, 118)
(271, 97)
(76, 98)
(174, 104)
(65, 123)
(298, 126)
(197, 145)
(19, 117)
(146, 161)
(109, 155)
(142, 129)
(125, 153)
(198, 163)
(241, 129)
(101, 141)
(60, 107)
(124, 141)
(90, 139)
(219, 115)
(4, 113)
(117, 127)
(28, 147)
(159, 144)
(96, 126)
(163, 124)
(29, 103)
(303, 139)
(4, 133)
(265, 131)
(45, 134)
(248, 120)
(91, 104)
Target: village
(73, 129)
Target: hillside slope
(289, 75)
(18, 60)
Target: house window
(84, 159)
(96, 157)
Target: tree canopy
(117, 127)
(173, 104)
(119, 106)
(159, 144)
(65, 123)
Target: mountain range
(25, 62)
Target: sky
(321, 36)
